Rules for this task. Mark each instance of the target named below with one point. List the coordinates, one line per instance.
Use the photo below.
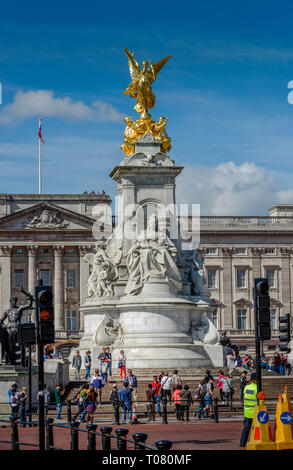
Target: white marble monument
(146, 294)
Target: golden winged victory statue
(141, 89)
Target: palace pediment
(46, 216)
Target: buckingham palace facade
(46, 237)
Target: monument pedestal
(157, 300)
(155, 331)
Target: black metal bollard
(165, 414)
(139, 437)
(14, 433)
(49, 434)
(164, 445)
(106, 438)
(121, 443)
(116, 414)
(74, 435)
(231, 401)
(216, 411)
(91, 437)
(69, 418)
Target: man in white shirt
(166, 384)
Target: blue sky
(224, 92)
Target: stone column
(227, 285)
(58, 288)
(256, 257)
(5, 261)
(84, 272)
(285, 281)
(32, 273)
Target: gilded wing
(159, 65)
(133, 65)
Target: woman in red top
(156, 385)
(220, 384)
(177, 400)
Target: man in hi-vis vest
(250, 401)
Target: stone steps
(272, 386)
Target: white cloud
(231, 189)
(36, 103)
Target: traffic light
(20, 355)
(44, 314)
(284, 327)
(262, 308)
(26, 334)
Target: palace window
(45, 277)
(240, 278)
(211, 251)
(215, 318)
(271, 277)
(273, 319)
(18, 251)
(241, 319)
(269, 251)
(212, 278)
(71, 323)
(70, 251)
(18, 278)
(70, 275)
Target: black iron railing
(109, 441)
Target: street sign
(286, 417)
(263, 417)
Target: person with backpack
(199, 395)
(125, 398)
(14, 400)
(131, 379)
(91, 400)
(176, 379)
(208, 399)
(208, 376)
(115, 401)
(186, 402)
(97, 382)
(22, 404)
(166, 387)
(228, 390)
(81, 403)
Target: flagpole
(40, 160)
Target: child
(104, 371)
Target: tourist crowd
(162, 389)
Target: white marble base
(155, 331)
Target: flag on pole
(40, 132)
